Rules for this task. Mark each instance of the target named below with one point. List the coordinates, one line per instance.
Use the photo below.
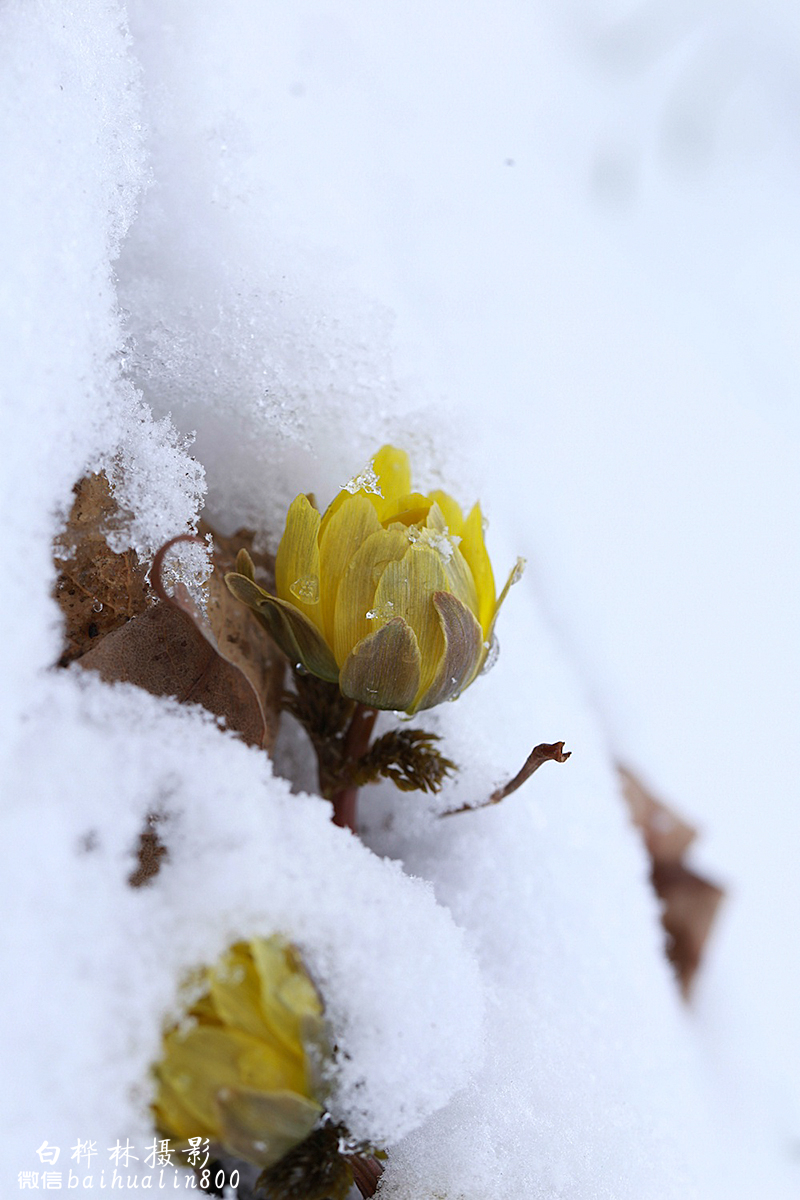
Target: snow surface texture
(510, 1025)
(70, 125)
(246, 857)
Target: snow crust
(593, 1077)
(71, 133)
(245, 857)
(496, 981)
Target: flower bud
(390, 594)
(237, 1069)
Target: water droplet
(383, 613)
(491, 657)
(519, 570)
(301, 669)
(97, 606)
(306, 589)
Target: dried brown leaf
(689, 902)
(690, 907)
(97, 590)
(149, 853)
(242, 640)
(170, 650)
(667, 836)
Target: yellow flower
(236, 1069)
(390, 594)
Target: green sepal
(383, 670)
(463, 650)
(245, 565)
(262, 1127)
(297, 636)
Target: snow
(111, 956)
(240, 253)
(71, 132)
(366, 481)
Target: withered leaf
(241, 640)
(97, 590)
(170, 650)
(689, 902)
(666, 835)
(690, 907)
(149, 853)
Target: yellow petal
(383, 670)
(514, 577)
(474, 550)
(236, 992)
(204, 1010)
(451, 510)
(297, 561)
(393, 470)
(199, 1063)
(489, 640)
(287, 994)
(298, 995)
(462, 581)
(174, 1120)
(460, 578)
(347, 530)
(261, 1128)
(409, 509)
(355, 615)
(408, 585)
(332, 509)
(463, 650)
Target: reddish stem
(366, 1173)
(355, 746)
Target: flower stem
(356, 745)
(366, 1173)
